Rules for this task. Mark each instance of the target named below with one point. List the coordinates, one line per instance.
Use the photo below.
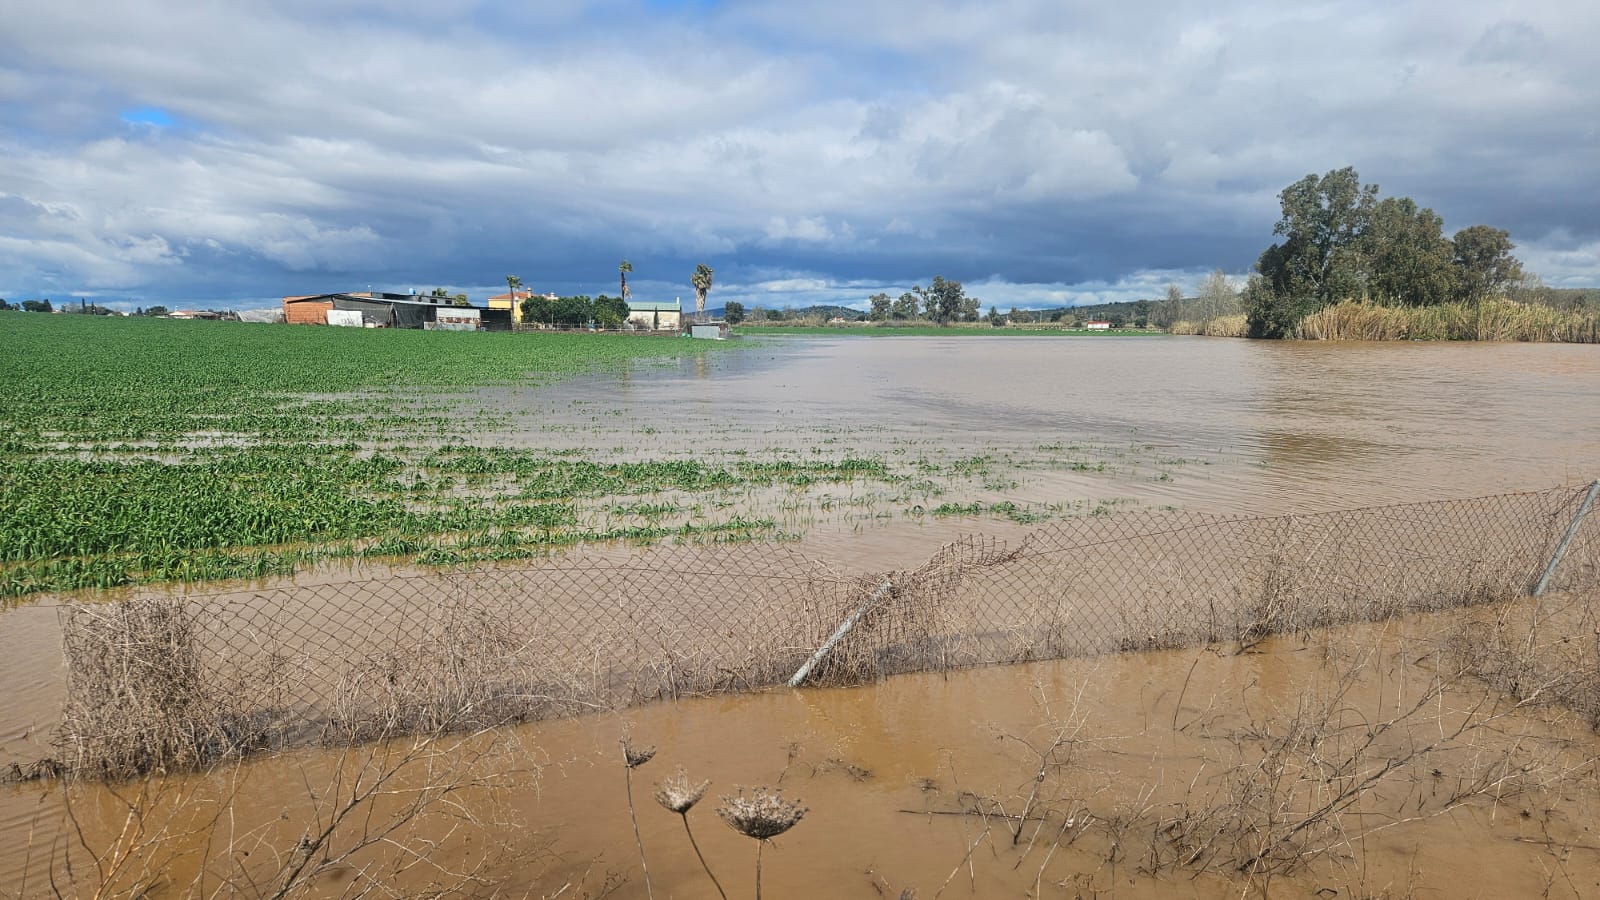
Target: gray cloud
(1045, 151)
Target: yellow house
(513, 302)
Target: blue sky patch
(148, 115)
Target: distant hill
(1100, 311)
(1095, 311)
(823, 312)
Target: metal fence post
(1572, 531)
(839, 633)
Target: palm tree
(512, 283)
(623, 270)
(702, 286)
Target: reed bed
(1221, 326)
(1489, 320)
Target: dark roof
(402, 299)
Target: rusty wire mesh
(466, 649)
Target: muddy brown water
(1234, 426)
(897, 778)
(1206, 424)
(1277, 426)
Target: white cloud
(812, 229)
(791, 285)
(1052, 144)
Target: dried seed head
(635, 757)
(678, 793)
(762, 815)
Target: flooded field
(1365, 761)
(934, 783)
(1068, 426)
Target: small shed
(709, 331)
(655, 315)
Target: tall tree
(1171, 308)
(622, 271)
(610, 312)
(1323, 221)
(1407, 259)
(538, 310)
(513, 282)
(572, 310)
(945, 301)
(733, 311)
(906, 307)
(1484, 264)
(881, 307)
(1216, 297)
(701, 279)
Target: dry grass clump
(1545, 650)
(138, 697)
(1220, 326)
(472, 673)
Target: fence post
(1572, 531)
(839, 633)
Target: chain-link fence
(178, 681)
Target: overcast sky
(226, 154)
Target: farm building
(373, 309)
(1097, 326)
(655, 315)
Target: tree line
(943, 301)
(84, 307)
(603, 310)
(1340, 241)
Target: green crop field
(139, 451)
(149, 450)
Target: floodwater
(1134, 775)
(1211, 425)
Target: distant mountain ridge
(821, 311)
